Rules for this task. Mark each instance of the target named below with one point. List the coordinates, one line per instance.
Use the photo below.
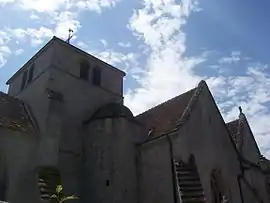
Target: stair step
(188, 178)
(186, 173)
(184, 167)
(191, 193)
(191, 189)
(194, 200)
(189, 184)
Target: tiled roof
(233, 129)
(13, 114)
(164, 117)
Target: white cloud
(95, 5)
(4, 53)
(41, 5)
(50, 6)
(63, 21)
(233, 58)
(4, 37)
(82, 45)
(251, 92)
(34, 17)
(168, 72)
(122, 44)
(4, 2)
(122, 61)
(104, 42)
(36, 36)
(5, 49)
(18, 52)
(56, 17)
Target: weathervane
(240, 109)
(70, 31)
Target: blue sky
(165, 46)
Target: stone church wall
(109, 161)
(69, 60)
(18, 159)
(156, 181)
(205, 136)
(42, 61)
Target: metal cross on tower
(70, 31)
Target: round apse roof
(112, 110)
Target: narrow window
(84, 70)
(24, 79)
(97, 76)
(31, 73)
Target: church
(63, 121)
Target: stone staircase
(48, 179)
(189, 184)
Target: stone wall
(204, 135)
(156, 178)
(109, 161)
(19, 151)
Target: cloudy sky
(165, 46)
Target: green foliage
(59, 197)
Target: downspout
(175, 194)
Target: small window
(84, 70)
(31, 73)
(97, 76)
(24, 79)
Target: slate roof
(13, 114)
(164, 117)
(233, 129)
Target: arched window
(84, 70)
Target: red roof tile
(164, 117)
(13, 114)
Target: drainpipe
(175, 189)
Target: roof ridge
(186, 113)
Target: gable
(244, 138)
(13, 114)
(165, 116)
